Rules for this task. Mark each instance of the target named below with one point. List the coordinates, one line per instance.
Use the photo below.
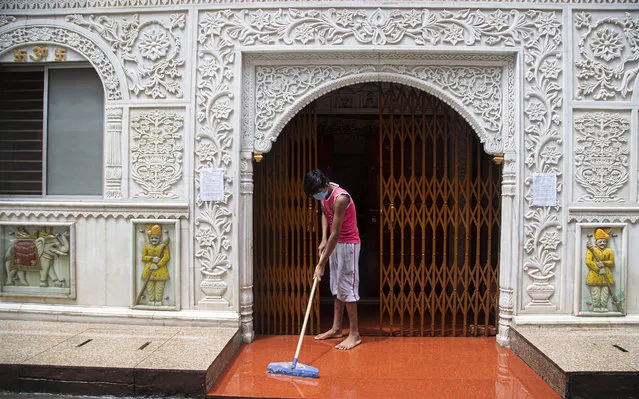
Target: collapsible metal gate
(286, 231)
(439, 220)
(438, 223)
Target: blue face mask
(321, 195)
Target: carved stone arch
(80, 40)
(492, 144)
(480, 88)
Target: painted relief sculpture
(35, 252)
(155, 255)
(600, 259)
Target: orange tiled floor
(383, 367)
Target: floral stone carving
(156, 153)
(609, 50)
(477, 88)
(601, 156)
(6, 19)
(149, 50)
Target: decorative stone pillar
(246, 249)
(508, 252)
(113, 167)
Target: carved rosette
(601, 155)
(70, 39)
(149, 50)
(156, 153)
(608, 60)
(477, 89)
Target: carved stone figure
(35, 253)
(156, 255)
(600, 259)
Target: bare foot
(349, 343)
(332, 333)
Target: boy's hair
(314, 180)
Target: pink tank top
(349, 233)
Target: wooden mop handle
(308, 312)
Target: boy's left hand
(319, 272)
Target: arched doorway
(428, 212)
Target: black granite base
(599, 385)
(68, 380)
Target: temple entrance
(428, 207)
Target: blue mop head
(300, 370)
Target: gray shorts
(344, 266)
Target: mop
(294, 368)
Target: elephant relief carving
(35, 253)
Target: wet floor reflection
(385, 368)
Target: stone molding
(125, 315)
(89, 4)
(94, 210)
(602, 215)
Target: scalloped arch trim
(491, 144)
(481, 92)
(77, 39)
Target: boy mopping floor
(341, 250)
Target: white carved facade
(549, 85)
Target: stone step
(120, 360)
(582, 361)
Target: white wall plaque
(544, 189)
(212, 184)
